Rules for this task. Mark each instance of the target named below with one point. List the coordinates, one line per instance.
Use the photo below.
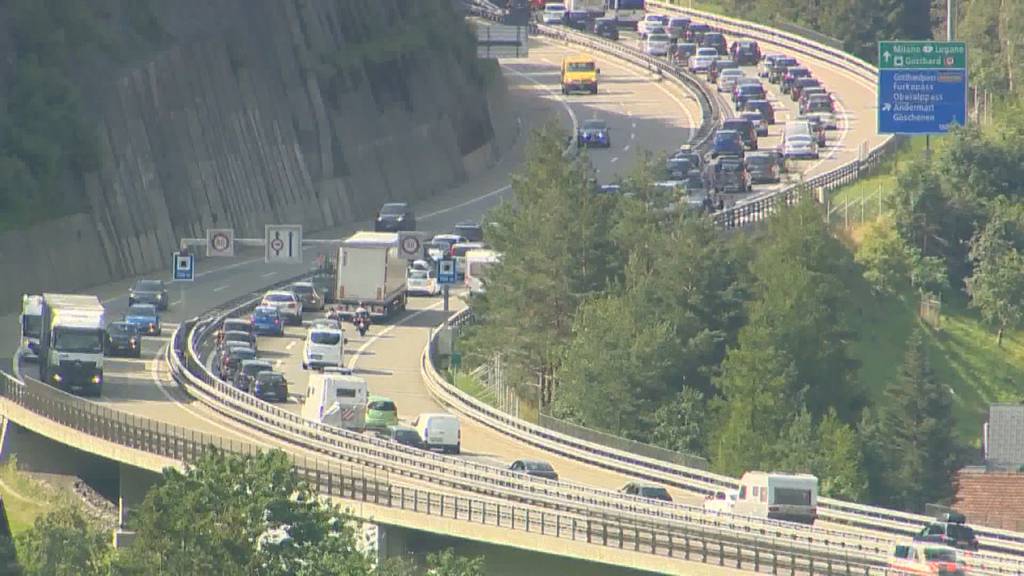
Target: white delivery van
(477, 263)
(324, 347)
(459, 255)
(31, 324)
(780, 496)
(439, 431)
(370, 271)
(336, 399)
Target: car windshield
(960, 532)
(655, 492)
(537, 466)
(381, 405)
(393, 209)
(148, 286)
(122, 329)
(280, 298)
(31, 325)
(707, 52)
(594, 125)
(418, 275)
(242, 353)
(759, 160)
(254, 368)
(819, 105)
(264, 311)
(77, 340)
(658, 38)
(301, 289)
(679, 165)
(732, 73)
(678, 22)
(739, 125)
(142, 310)
(580, 67)
(939, 555)
(270, 378)
(554, 8)
(325, 338)
(407, 435)
(726, 137)
(236, 336)
(799, 140)
(730, 166)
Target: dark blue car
(593, 132)
(727, 143)
(267, 320)
(145, 319)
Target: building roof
(1005, 442)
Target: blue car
(727, 143)
(267, 320)
(145, 318)
(593, 132)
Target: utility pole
(950, 20)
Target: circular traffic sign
(411, 245)
(220, 242)
(277, 244)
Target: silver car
(310, 298)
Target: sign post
(922, 86)
(283, 243)
(445, 277)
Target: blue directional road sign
(183, 267)
(446, 271)
(922, 87)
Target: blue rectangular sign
(921, 101)
(183, 267)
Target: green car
(380, 413)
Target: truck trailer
(71, 342)
(371, 272)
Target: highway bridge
(162, 410)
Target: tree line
(230, 515)
(660, 327)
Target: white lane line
(559, 97)
(155, 375)
(370, 341)
(269, 274)
(290, 345)
(625, 148)
(634, 125)
(632, 136)
(175, 302)
(615, 159)
(221, 288)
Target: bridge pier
(133, 483)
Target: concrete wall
(244, 117)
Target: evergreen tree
(64, 543)
(916, 433)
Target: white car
(826, 119)
(701, 61)
(324, 347)
(721, 501)
(421, 283)
(649, 20)
(287, 303)
(553, 13)
(801, 147)
(657, 45)
(727, 79)
(439, 431)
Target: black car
(793, 73)
(537, 468)
(748, 133)
(695, 32)
(270, 386)
(231, 357)
(404, 435)
(745, 52)
(606, 28)
(471, 231)
(148, 292)
(714, 40)
(687, 151)
(230, 337)
(949, 529)
(729, 175)
(577, 20)
(762, 167)
(717, 66)
(679, 168)
(593, 132)
(779, 67)
(122, 339)
(245, 376)
(796, 89)
(395, 217)
(681, 52)
(762, 106)
(676, 27)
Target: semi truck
(371, 272)
(71, 342)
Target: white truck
(779, 496)
(336, 399)
(71, 342)
(372, 272)
(31, 321)
(596, 7)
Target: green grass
(33, 499)
(963, 353)
(471, 386)
(884, 176)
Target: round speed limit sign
(411, 246)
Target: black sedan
(537, 468)
(594, 132)
(123, 339)
(394, 217)
(148, 292)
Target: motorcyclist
(361, 318)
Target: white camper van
(439, 431)
(477, 263)
(336, 399)
(780, 496)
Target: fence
(854, 212)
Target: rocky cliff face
(252, 112)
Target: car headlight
(57, 378)
(159, 296)
(97, 379)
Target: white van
(721, 502)
(439, 431)
(337, 400)
(459, 255)
(477, 263)
(780, 496)
(323, 347)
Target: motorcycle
(362, 324)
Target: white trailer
(31, 321)
(596, 7)
(71, 342)
(777, 495)
(336, 400)
(371, 272)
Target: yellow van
(579, 74)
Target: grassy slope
(29, 499)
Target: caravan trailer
(780, 496)
(336, 399)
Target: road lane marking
(370, 341)
(269, 274)
(625, 148)
(220, 288)
(290, 345)
(615, 159)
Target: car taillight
(773, 508)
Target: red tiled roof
(994, 499)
